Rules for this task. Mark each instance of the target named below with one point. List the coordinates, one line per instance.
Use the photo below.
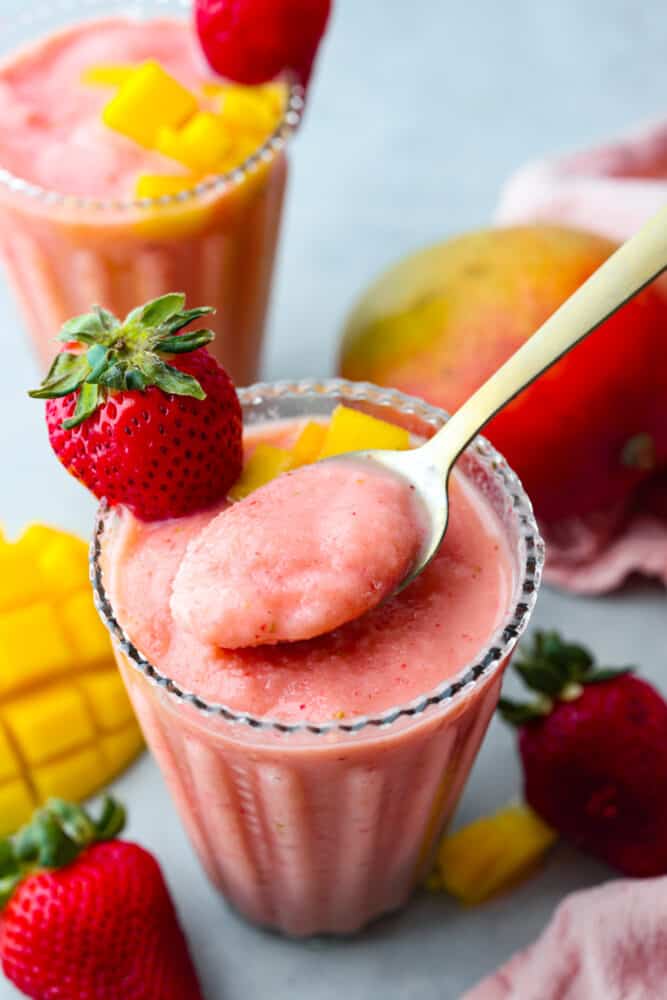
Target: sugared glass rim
(80, 10)
(502, 641)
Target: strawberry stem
(124, 356)
(56, 836)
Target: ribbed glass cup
(323, 825)
(215, 242)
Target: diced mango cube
(107, 76)
(16, 806)
(88, 635)
(9, 764)
(36, 537)
(48, 723)
(309, 443)
(147, 101)
(200, 145)
(20, 580)
(107, 698)
(274, 96)
(73, 777)
(352, 430)
(244, 109)
(493, 853)
(121, 748)
(159, 185)
(265, 463)
(63, 564)
(33, 646)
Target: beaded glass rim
(265, 153)
(503, 640)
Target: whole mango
(66, 723)
(588, 432)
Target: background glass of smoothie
(72, 233)
(311, 819)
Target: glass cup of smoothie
(73, 229)
(315, 777)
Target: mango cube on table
(66, 723)
(491, 854)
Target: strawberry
(88, 917)
(594, 755)
(253, 41)
(162, 437)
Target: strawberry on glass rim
(84, 915)
(141, 413)
(254, 41)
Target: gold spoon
(427, 468)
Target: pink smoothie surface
(51, 128)
(399, 650)
(311, 550)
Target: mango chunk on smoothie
(491, 854)
(246, 110)
(201, 144)
(159, 185)
(352, 430)
(150, 99)
(309, 444)
(265, 463)
(108, 76)
(66, 723)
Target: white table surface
(418, 113)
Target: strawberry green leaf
(185, 343)
(174, 381)
(8, 863)
(107, 319)
(86, 404)
(91, 328)
(54, 847)
(73, 820)
(540, 676)
(517, 714)
(607, 674)
(135, 379)
(160, 310)
(66, 374)
(112, 819)
(112, 378)
(97, 359)
(182, 319)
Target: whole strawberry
(141, 413)
(253, 41)
(594, 751)
(88, 917)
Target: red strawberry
(253, 41)
(594, 754)
(87, 917)
(165, 439)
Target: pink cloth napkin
(611, 189)
(608, 943)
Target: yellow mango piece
(36, 537)
(63, 564)
(121, 748)
(87, 634)
(49, 723)
(147, 101)
(20, 580)
(244, 109)
(274, 96)
(493, 853)
(33, 646)
(200, 145)
(265, 463)
(159, 185)
(309, 443)
(16, 806)
(352, 430)
(108, 76)
(73, 777)
(107, 698)
(9, 763)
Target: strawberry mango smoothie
(314, 776)
(89, 215)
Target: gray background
(418, 113)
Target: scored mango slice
(491, 854)
(66, 723)
(148, 100)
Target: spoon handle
(625, 273)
